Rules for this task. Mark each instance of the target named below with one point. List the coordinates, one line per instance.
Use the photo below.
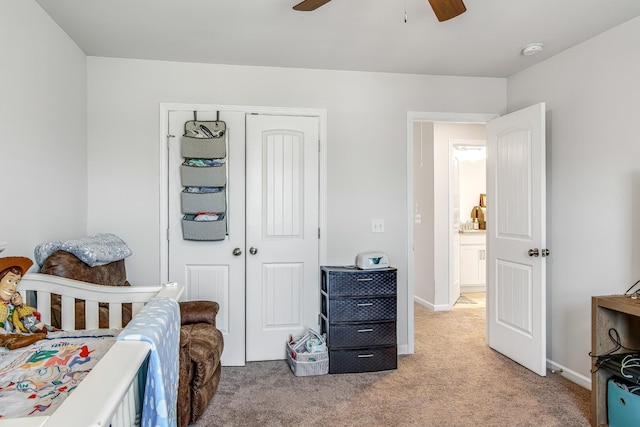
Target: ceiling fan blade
(309, 5)
(447, 9)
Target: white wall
(43, 130)
(592, 94)
(366, 153)
(423, 206)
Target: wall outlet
(377, 225)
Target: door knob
(534, 252)
(237, 252)
(253, 250)
(545, 252)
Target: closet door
(212, 269)
(282, 231)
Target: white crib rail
(111, 393)
(108, 395)
(44, 285)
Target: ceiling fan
(444, 9)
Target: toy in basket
(307, 354)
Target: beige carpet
(453, 379)
(471, 300)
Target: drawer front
(361, 309)
(363, 360)
(361, 334)
(359, 282)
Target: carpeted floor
(452, 379)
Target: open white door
(516, 237)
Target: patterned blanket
(99, 249)
(36, 379)
(158, 323)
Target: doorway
(430, 222)
(516, 312)
(468, 175)
(218, 269)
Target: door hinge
(168, 234)
(318, 232)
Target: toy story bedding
(35, 380)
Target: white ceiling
(363, 35)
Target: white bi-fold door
(282, 231)
(264, 272)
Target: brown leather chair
(201, 343)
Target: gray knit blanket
(99, 249)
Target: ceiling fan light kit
(532, 49)
(444, 9)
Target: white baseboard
(432, 307)
(572, 376)
(403, 349)
(473, 288)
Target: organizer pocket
(203, 148)
(203, 202)
(212, 176)
(204, 230)
(205, 128)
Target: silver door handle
(545, 252)
(253, 250)
(237, 252)
(534, 252)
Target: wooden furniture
(358, 315)
(621, 313)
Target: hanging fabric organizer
(203, 174)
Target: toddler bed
(112, 391)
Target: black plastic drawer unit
(359, 312)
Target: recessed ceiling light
(532, 49)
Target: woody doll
(11, 271)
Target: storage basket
(623, 405)
(307, 364)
